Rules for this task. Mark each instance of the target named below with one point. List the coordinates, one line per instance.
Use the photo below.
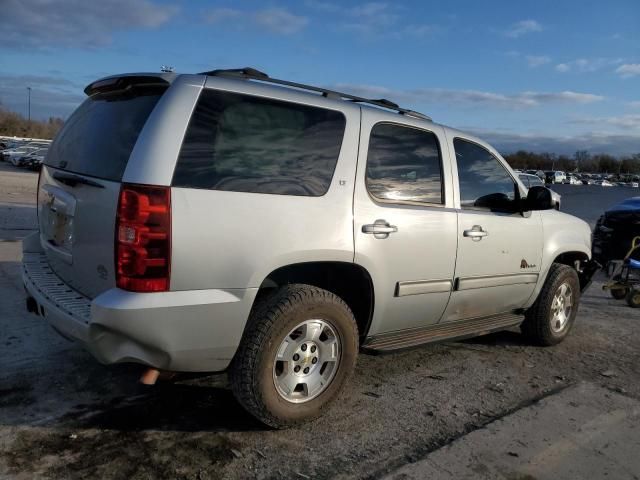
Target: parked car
(603, 183)
(273, 230)
(16, 154)
(33, 160)
(573, 180)
(615, 230)
(535, 181)
(554, 176)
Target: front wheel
(551, 317)
(298, 351)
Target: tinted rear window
(98, 138)
(242, 143)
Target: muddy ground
(62, 415)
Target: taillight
(143, 238)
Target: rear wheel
(619, 293)
(551, 317)
(298, 352)
(633, 298)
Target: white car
(15, 154)
(574, 180)
(604, 183)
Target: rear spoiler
(113, 84)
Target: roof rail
(253, 74)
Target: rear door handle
(379, 229)
(476, 233)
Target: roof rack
(253, 74)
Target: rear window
(98, 138)
(242, 143)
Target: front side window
(243, 143)
(404, 165)
(525, 180)
(484, 182)
(535, 182)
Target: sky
(556, 76)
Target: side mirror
(538, 198)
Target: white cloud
(278, 21)
(628, 70)
(522, 28)
(427, 96)
(587, 65)
(626, 122)
(76, 23)
(594, 142)
(535, 61)
(374, 20)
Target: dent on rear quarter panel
(154, 156)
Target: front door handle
(379, 229)
(476, 233)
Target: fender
(562, 234)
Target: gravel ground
(62, 415)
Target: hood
(628, 205)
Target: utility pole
(29, 108)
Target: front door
(499, 248)
(405, 224)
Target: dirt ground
(63, 415)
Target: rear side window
(98, 138)
(242, 143)
(404, 165)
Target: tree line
(13, 124)
(581, 161)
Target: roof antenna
(166, 69)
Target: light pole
(29, 103)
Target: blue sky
(545, 75)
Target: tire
(283, 322)
(633, 298)
(619, 293)
(543, 325)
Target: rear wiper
(73, 180)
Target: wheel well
(575, 260)
(348, 281)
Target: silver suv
(231, 221)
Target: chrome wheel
(306, 361)
(561, 307)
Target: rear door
(499, 248)
(80, 182)
(405, 224)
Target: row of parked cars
(604, 180)
(24, 153)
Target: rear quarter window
(242, 143)
(98, 138)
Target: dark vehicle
(615, 231)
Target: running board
(440, 332)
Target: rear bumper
(191, 331)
